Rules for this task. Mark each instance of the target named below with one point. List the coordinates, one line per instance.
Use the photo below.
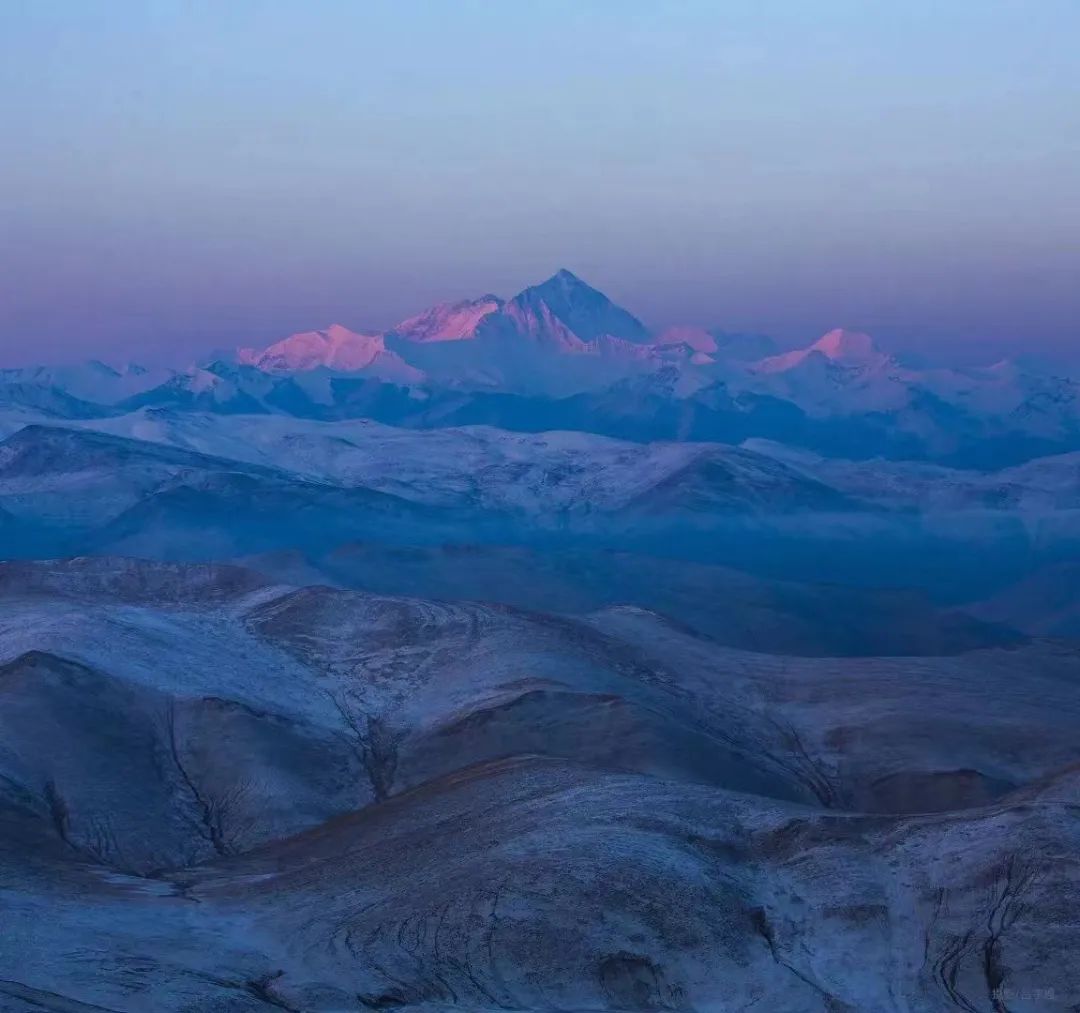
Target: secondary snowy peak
(449, 321)
(846, 345)
(337, 348)
(566, 310)
(839, 346)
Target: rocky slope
(305, 798)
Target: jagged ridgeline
(561, 355)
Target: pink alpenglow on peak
(840, 346)
(336, 348)
(449, 321)
(845, 345)
(573, 312)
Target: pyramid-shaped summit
(564, 299)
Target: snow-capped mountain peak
(839, 346)
(449, 321)
(335, 348)
(844, 345)
(567, 302)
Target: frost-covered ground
(221, 792)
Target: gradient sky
(182, 175)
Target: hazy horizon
(191, 176)
(187, 351)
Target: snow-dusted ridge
(551, 472)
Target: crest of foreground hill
(376, 802)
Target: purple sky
(184, 175)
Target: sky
(179, 176)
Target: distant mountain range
(561, 355)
